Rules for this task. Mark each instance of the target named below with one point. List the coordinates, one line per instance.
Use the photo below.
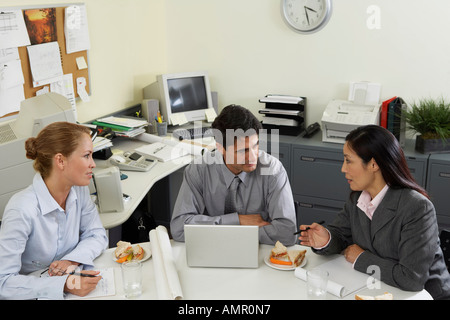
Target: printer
(342, 116)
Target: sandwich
(385, 296)
(123, 249)
(127, 252)
(138, 252)
(279, 252)
(280, 255)
(296, 256)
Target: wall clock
(306, 16)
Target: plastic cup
(132, 279)
(316, 284)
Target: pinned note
(81, 63)
(81, 89)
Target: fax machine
(341, 116)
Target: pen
(307, 228)
(83, 274)
(159, 149)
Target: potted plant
(431, 119)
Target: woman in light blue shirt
(53, 222)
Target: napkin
(166, 276)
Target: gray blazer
(402, 240)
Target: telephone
(132, 162)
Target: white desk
(138, 184)
(263, 283)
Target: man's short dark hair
(239, 119)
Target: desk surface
(238, 284)
(138, 184)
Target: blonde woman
(53, 222)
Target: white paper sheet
(64, 86)
(11, 74)
(105, 287)
(8, 54)
(13, 32)
(45, 63)
(81, 89)
(10, 99)
(76, 29)
(182, 148)
(166, 276)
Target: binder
(384, 112)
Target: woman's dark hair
(238, 120)
(376, 142)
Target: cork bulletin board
(53, 32)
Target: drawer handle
(310, 159)
(318, 206)
(444, 174)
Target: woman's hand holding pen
(77, 284)
(81, 286)
(315, 236)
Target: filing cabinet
(438, 187)
(284, 149)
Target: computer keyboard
(193, 133)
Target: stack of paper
(101, 143)
(165, 150)
(126, 127)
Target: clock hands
(306, 12)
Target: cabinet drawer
(318, 174)
(311, 209)
(439, 188)
(417, 169)
(284, 154)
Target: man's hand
(252, 220)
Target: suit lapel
(386, 210)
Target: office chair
(444, 237)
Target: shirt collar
(368, 205)
(229, 176)
(46, 201)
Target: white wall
(249, 51)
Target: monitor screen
(187, 94)
(181, 96)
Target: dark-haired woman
(388, 222)
(53, 222)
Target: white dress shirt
(36, 228)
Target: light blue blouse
(36, 228)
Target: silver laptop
(223, 246)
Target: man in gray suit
(388, 222)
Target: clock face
(306, 16)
